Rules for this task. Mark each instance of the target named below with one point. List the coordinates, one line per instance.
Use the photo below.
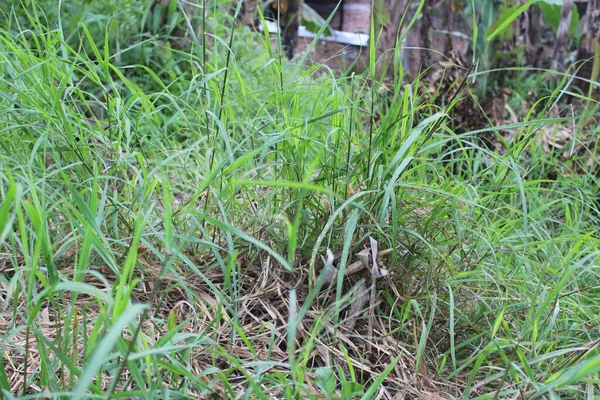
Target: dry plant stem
(353, 268)
(357, 306)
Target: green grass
(178, 223)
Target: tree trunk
(589, 49)
(431, 39)
(289, 24)
(562, 35)
(591, 27)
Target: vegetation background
(185, 213)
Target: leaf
(506, 18)
(551, 14)
(104, 350)
(551, 11)
(4, 385)
(325, 380)
(13, 195)
(375, 386)
(313, 22)
(351, 389)
(172, 321)
(576, 373)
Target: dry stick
(558, 52)
(357, 306)
(352, 268)
(371, 309)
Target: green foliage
(552, 10)
(153, 199)
(506, 18)
(313, 21)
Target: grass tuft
(214, 221)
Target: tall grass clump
(215, 221)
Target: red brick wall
(357, 16)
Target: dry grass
(348, 335)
